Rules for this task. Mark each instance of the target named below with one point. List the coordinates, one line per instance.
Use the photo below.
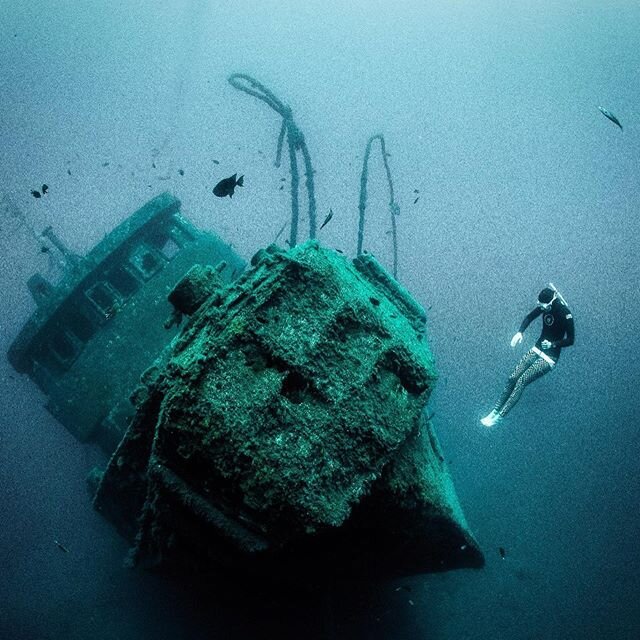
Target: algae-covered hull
(283, 429)
(96, 330)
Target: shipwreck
(283, 430)
(268, 419)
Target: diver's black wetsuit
(556, 322)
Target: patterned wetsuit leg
(530, 368)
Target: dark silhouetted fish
(403, 588)
(416, 191)
(216, 162)
(416, 200)
(44, 189)
(61, 546)
(181, 172)
(282, 228)
(69, 171)
(227, 186)
(502, 552)
(611, 117)
(36, 194)
(326, 220)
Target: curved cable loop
(296, 142)
(394, 208)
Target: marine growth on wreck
(278, 424)
(284, 428)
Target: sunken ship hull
(283, 431)
(96, 330)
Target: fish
(416, 200)
(416, 191)
(44, 249)
(283, 179)
(36, 194)
(61, 546)
(611, 117)
(153, 164)
(216, 162)
(329, 216)
(502, 552)
(45, 188)
(282, 228)
(105, 164)
(281, 188)
(69, 171)
(227, 186)
(181, 172)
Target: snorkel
(558, 294)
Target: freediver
(557, 332)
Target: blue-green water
(489, 110)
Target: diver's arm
(529, 318)
(569, 339)
(517, 338)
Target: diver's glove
(517, 339)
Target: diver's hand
(517, 339)
(546, 344)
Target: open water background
(489, 109)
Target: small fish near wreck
(611, 117)
(227, 186)
(37, 194)
(61, 546)
(326, 220)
